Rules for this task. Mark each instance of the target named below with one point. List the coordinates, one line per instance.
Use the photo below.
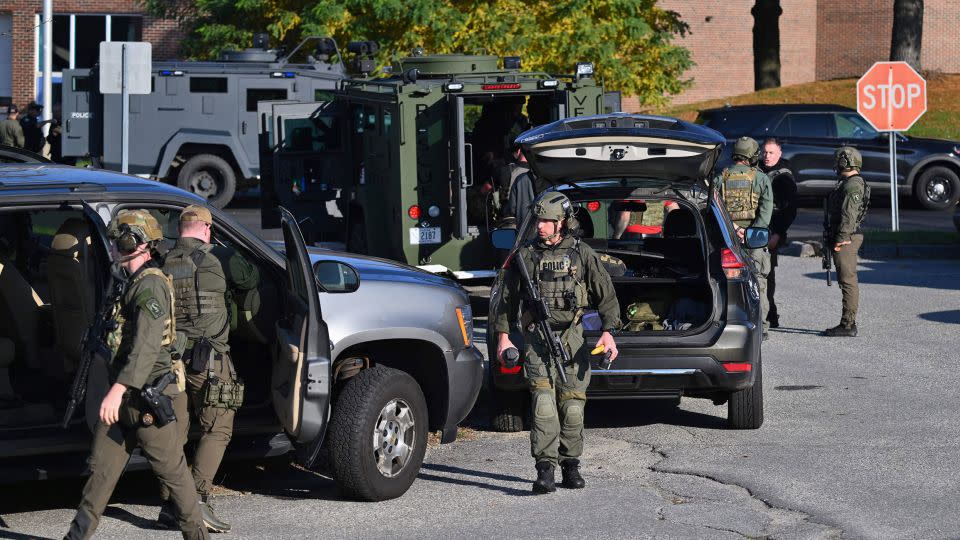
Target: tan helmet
(746, 148)
(130, 228)
(847, 157)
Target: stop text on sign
(896, 95)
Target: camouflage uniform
(205, 278)
(847, 205)
(141, 346)
(748, 194)
(571, 278)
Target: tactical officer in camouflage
(847, 207)
(570, 278)
(748, 194)
(206, 278)
(141, 339)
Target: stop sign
(891, 96)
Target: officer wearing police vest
(570, 278)
(847, 207)
(748, 195)
(204, 276)
(141, 339)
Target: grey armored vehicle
(198, 127)
(325, 360)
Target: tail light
(414, 212)
(593, 206)
(737, 367)
(731, 263)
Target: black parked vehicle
(688, 298)
(927, 169)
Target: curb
(813, 248)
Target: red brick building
(819, 40)
(78, 28)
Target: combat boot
(212, 522)
(545, 482)
(842, 330)
(168, 517)
(570, 471)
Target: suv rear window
(734, 123)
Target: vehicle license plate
(425, 235)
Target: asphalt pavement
(860, 441)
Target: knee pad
(543, 405)
(572, 413)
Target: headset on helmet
(848, 157)
(556, 206)
(131, 228)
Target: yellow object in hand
(600, 349)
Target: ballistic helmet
(130, 228)
(847, 157)
(746, 148)
(555, 206)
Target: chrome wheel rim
(938, 190)
(394, 437)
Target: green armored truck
(409, 166)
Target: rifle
(93, 343)
(827, 242)
(541, 315)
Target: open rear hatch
(665, 285)
(622, 146)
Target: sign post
(892, 96)
(125, 68)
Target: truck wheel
(378, 434)
(938, 188)
(210, 177)
(745, 408)
(508, 410)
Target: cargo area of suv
(689, 304)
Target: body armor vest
(559, 276)
(736, 189)
(115, 337)
(192, 299)
(835, 203)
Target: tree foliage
(630, 42)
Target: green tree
(630, 42)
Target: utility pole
(47, 26)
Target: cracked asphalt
(859, 442)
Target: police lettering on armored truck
(407, 166)
(197, 129)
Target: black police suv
(689, 301)
(927, 169)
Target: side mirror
(503, 238)
(336, 277)
(756, 237)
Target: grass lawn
(911, 237)
(942, 119)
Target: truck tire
(378, 434)
(210, 177)
(745, 407)
(937, 188)
(508, 410)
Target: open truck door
(310, 174)
(79, 120)
(300, 383)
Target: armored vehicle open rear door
(80, 121)
(300, 383)
(310, 173)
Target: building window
(77, 37)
